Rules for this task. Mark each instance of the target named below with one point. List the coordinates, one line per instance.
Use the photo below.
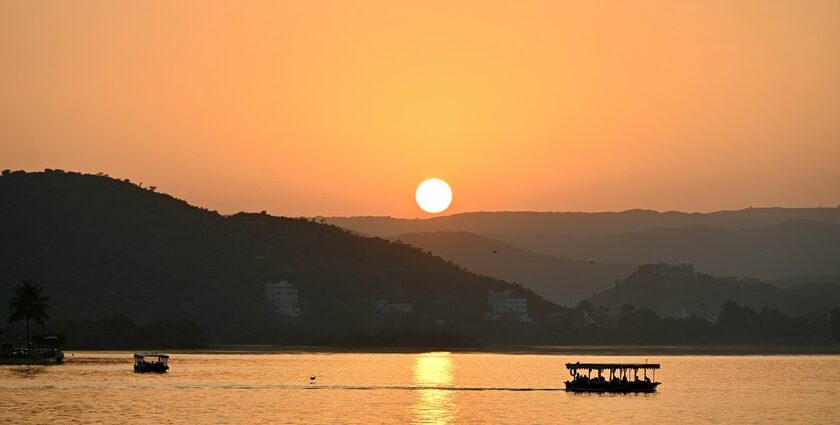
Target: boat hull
(150, 368)
(29, 361)
(630, 388)
(46, 358)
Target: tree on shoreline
(29, 303)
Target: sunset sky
(343, 108)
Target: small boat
(623, 377)
(151, 362)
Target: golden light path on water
(416, 388)
(434, 405)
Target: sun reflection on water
(434, 405)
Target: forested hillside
(102, 246)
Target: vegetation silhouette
(107, 247)
(704, 295)
(113, 252)
(119, 332)
(29, 304)
(736, 325)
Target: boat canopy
(144, 355)
(607, 366)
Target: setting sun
(434, 195)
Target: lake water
(433, 388)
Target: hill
(560, 280)
(796, 247)
(581, 223)
(788, 281)
(704, 295)
(758, 242)
(104, 247)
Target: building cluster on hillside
(742, 280)
(393, 301)
(383, 305)
(669, 271)
(505, 303)
(675, 272)
(284, 297)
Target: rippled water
(434, 388)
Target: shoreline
(593, 350)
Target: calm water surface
(434, 388)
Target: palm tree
(29, 303)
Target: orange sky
(342, 108)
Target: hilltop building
(742, 280)
(284, 296)
(503, 302)
(669, 271)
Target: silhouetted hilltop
(581, 223)
(796, 247)
(788, 281)
(704, 295)
(560, 280)
(102, 247)
(118, 259)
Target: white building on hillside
(503, 302)
(284, 296)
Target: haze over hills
(567, 282)
(796, 247)
(560, 280)
(789, 281)
(704, 295)
(581, 223)
(102, 246)
(758, 242)
(119, 259)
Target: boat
(151, 363)
(623, 377)
(44, 350)
(22, 356)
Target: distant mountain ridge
(704, 295)
(756, 242)
(111, 253)
(796, 247)
(565, 282)
(581, 223)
